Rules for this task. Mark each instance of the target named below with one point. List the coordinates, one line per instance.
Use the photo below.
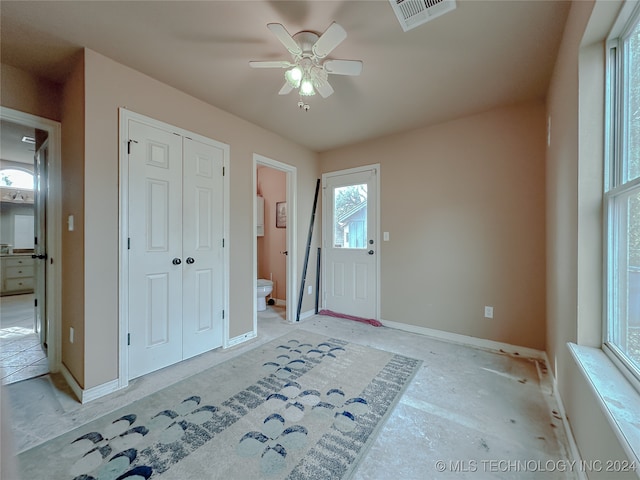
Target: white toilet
(264, 288)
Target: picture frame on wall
(281, 214)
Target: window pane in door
(350, 216)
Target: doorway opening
(29, 241)
(275, 252)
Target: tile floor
(468, 413)
(21, 355)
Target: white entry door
(350, 242)
(176, 267)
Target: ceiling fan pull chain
(303, 106)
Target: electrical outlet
(488, 312)
(309, 290)
(71, 334)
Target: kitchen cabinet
(17, 274)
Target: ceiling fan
(309, 68)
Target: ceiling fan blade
(330, 39)
(285, 38)
(324, 89)
(343, 67)
(270, 64)
(286, 88)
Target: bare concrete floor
(468, 413)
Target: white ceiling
(484, 54)
(11, 145)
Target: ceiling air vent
(412, 13)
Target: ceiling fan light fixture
(309, 67)
(306, 87)
(293, 77)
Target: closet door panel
(155, 232)
(203, 272)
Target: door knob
(370, 252)
(285, 252)
(39, 257)
(176, 261)
(190, 260)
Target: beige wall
(272, 264)
(72, 195)
(574, 174)
(28, 93)
(110, 85)
(562, 192)
(463, 202)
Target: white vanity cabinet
(17, 274)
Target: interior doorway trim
(54, 220)
(292, 248)
(123, 276)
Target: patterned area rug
(303, 406)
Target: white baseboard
(89, 394)
(100, 391)
(467, 340)
(232, 342)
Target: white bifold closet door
(176, 266)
